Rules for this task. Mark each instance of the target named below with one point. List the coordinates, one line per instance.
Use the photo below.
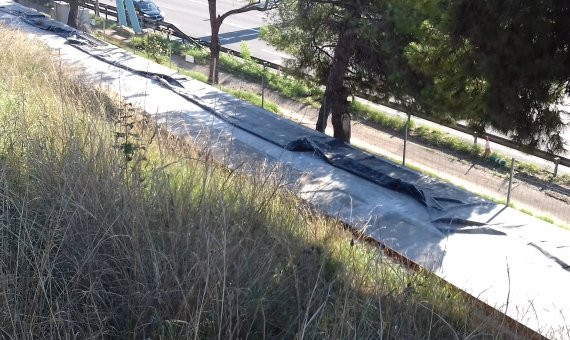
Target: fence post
(169, 54)
(263, 87)
(406, 128)
(556, 161)
(511, 181)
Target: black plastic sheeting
(39, 20)
(444, 203)
(82, 41)
(341, 155)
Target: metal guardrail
(171, 29)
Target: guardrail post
(556, 161)
(511, 181)
(406, 128)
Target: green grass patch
(245, 66)
(195, 75)
(561, 179)
(253, 99)
(101, 23)
(381, 118)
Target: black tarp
(443, 202)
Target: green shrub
(201, 55)
(476, 150)
(154, 45)
(422, 131)
(527, 168)
(289, 86)
(263, 32)
(562, 179)
(458, 145)
(245, 51)
(101, 23)
(381, 118)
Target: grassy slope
(110, 229)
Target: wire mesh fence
(531, 195)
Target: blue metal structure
(133, 19)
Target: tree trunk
(215, 46)
(336, 94)
(72, 19)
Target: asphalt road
(192, 17)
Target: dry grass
(108, 229)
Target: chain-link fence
(527, 193)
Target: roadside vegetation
(419, 133)
(159, 45)
(443, 141)
(158, 48)
(110, 227)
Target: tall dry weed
(109, 229)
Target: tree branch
(252, 6)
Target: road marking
(198, 2)
(241, 26)
(282, 55)
(241, 37)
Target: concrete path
(521, 269)
(533, 196)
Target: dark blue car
(148, 11)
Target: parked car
(148, 11)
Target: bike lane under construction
(510, 261)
